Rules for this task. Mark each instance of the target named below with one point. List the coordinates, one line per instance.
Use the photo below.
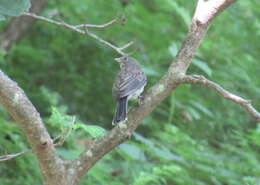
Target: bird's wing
(128, 83)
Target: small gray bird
(129, 84)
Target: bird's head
(125, 60)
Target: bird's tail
(121, 110)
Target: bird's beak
(118, 59)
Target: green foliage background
(193, 137)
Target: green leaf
(13, 7)
(60, 119)
(203, 66)
(95, 131)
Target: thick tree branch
(205, 12)
(123, 131)
(246, 104)
(154, 95)
(77, 28)
(54, 169)
(25, 114)
(212, 7)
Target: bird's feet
(114, 123)
(140, 100)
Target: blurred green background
(194, 137)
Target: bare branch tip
(96, 25)
(127, 45)
(11, 156)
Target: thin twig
(96, 25)
(76, 28)
(60, 141)
(119, 50)
(11, 156)
(127, 45)
(198, 79)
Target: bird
(129, 84)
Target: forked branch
(69, 172)
(246, 104)
(154, 95)
(85, 31)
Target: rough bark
(25, 114)
(57, 171)
(170, 81)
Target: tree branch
(77, 28)
(153, 97)
(25, 114)
(205, 12)
(246, 104)
(213, 7)
(96, 26)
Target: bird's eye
(125, 58)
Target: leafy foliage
(193, 137)
(13, 7)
